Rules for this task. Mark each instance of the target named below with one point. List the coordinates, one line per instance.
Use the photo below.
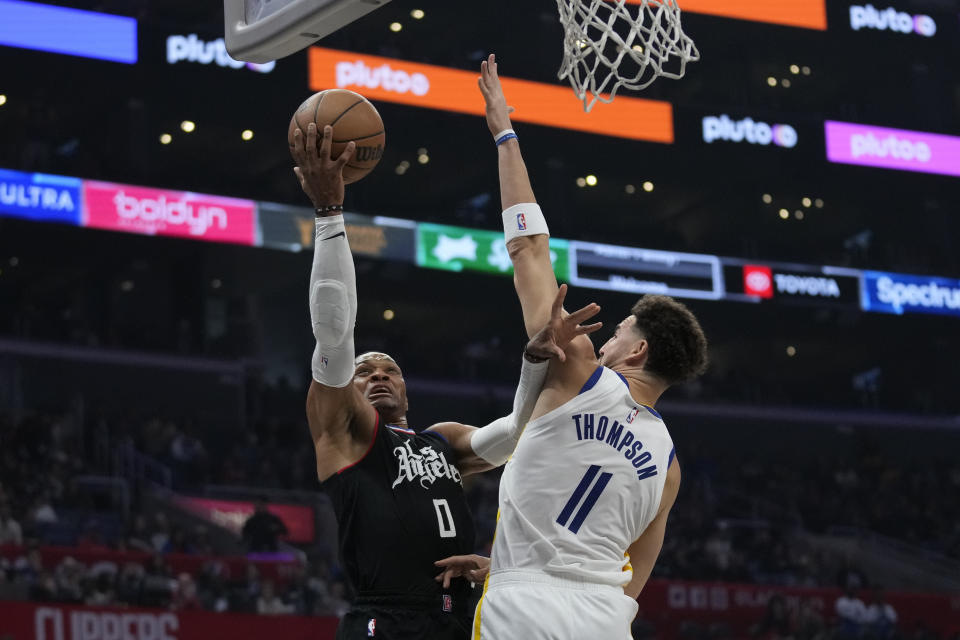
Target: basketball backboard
(265, 30)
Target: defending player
(584, 499)
(397, 494)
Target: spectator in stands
(269, 603)
(851, 613)
(138, 537)
(262, 530)
(776, 623)
(42, 511)
(102, 593)
(160, 536)
(10, 531)
(880, 618)
(69, 576)
(810, 624)
(130, 583)
(185, 595)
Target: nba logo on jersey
(447, 603)
(521, 222)
(371, 627)
(324, 361)
(632, 415)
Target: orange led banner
(424, 85)
(809, 14)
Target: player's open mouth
(379, 391)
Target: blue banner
(87, 34)
(38, 196)
(899, 293)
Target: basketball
(352, 117)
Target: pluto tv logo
(748, 130)
(889, 19)
(192, 49)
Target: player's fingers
(310, 149)
(298, 146)
(299, 174)
(558, 300)
(583, 313)
(345, 155)
(589, 328)
(325, 143)
(561, 356)
(510, 110)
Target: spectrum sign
(899, 293)
(120, 207)
(455, 90)
(892, 148)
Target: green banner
(462, 249)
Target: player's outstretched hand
(320, 177)
(472, 567)
(498, 113)
(550, 341)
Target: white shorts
(536, 606)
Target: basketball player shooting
(585, 498)
(397, 493)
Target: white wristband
(503, 133)
(524, 219)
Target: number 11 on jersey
(592, 497)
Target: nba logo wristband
(524, 219)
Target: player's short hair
(372, 355)
(678, 347)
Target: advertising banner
(809, 14)
(292, 228)
(121, 207)
(38, 196)
(37, 621)
(462, 249)
(670, 604)
(892, 148)
(899, 293)
(424, 85)
(233, 514)
(632, 270)
(794, 284)
(88, 34)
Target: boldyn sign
(37, 196)
(899, 293)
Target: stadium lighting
(395, 27)
(188, 126)
(166, 138)
(246, 135)
(417, 14)
(591, 180)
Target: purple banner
(892, 148)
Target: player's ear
(638, 353)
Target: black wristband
(330, 208)
(532, 358)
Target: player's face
(621, 344)
(381, 383)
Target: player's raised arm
(491, 446)
(525, 228)
(341, 422)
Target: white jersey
(584, 483)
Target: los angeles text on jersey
(590, 427)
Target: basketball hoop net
(608, 45)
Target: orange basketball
(352, 117)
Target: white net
(608, 44)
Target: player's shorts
(404, 623)
(535, 606)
